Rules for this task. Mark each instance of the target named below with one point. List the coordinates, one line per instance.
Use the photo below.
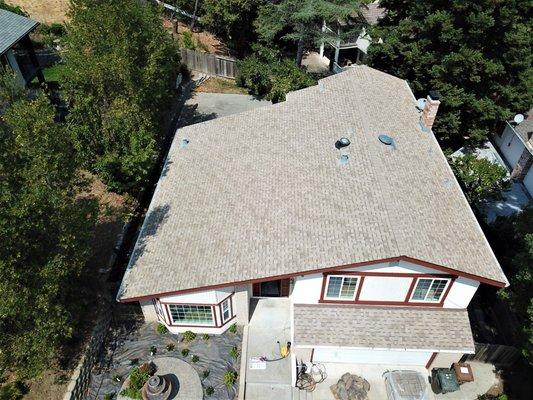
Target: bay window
(189, 314)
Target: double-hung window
(341, 287)
(226, 310)
(429, 290)
(189, 314)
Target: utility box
(443, 380)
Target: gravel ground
(130, 345)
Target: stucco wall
(510, 146)
(148, 310)
(241, 304)
(528, 181)
(307, 288)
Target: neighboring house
(16, 48)
(340, 54)
(515, 143)
(373, 245)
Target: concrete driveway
(270, 323)
(205, 106)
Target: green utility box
(443, 380)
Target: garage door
(371, 356)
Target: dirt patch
(220, 85)
(203, 40)
(46, 11)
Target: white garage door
(341, 355)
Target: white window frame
(191, 323)
(230, 310)
(412, 300)
(342, 283)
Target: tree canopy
(476, 53)
(121, 70)
(44, 229)
(300, 21)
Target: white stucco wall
(528, 181)
(241, 304)
(307, 288)
(148, 310)
(510, 146)
(202, 297)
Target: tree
(512, 240)
(476, 53)
(301, 21)
(233, 21)
(480, 178)
(121, 64)
(44, 229)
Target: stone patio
(130, 345)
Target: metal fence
(209, 64)
(497, 354)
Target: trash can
(443, 380)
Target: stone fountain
(157, 388)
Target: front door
(277, 288)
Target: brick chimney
(430, 110)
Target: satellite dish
(421, 103)
(518, 118)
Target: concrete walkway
(269, 323)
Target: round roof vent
(342, 142)
(386, 139)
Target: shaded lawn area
(220, 85)
(53, 73)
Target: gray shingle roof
(435, 329)
(525, 130)
(260, 194)
(373, 12)
(13, 27)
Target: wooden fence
(497, 354)
(209, 64)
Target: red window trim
(214, 307)
(405, 302)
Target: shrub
(55, 29)
(195, 358)
(137, 381)
(185, 352)
(153, 350)
(11, 391)
(205, 336)
(209, 390)
(117, 377)
(229, 378)
(187, 40)
(148, 368)
(170, 346)
(161, 329)
(189, 336)
(134, 361)
(108, 396)
(233, 328)
(205, 373)
(234, 352)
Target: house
(515, 142)
(336, 201)
(341, 53)
(16, 49)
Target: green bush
(55, 29)
(137, 381)
(11, 391)
(185, 352)
(233, 328)
(170, 346)
(195, 358)
(161, 329)
(205, 373)
(234, 352)
(209, 390)
(108, 396)
(266, 74)
(205, 336)
(229, 378)
(187, 41)
(189, 336)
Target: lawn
(53, 73)
(220, 85)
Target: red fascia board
(412, 260)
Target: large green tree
(300, 22)
(476, 53)
(44, 231)
(121, 70)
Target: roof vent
(184, 143)
(387, 140)
(342, 142)
(343, 159)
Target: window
(430, 290)
(185, 314)
(341, 287)
(226, 310)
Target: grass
(54, 73)
(221, 85)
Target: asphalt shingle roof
(261, 194)
(13, 27)
(435, 329)
(525, 130)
